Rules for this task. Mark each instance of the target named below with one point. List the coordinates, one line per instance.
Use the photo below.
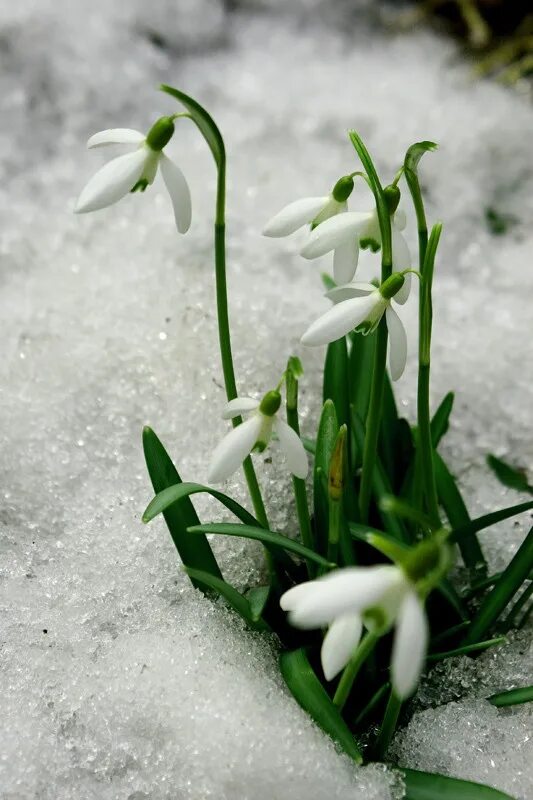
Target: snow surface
(120, 681)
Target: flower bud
(392, 197)
(270, 403)
(392, 285)
(160, 133)
(336, 467)
(427, 562)
(343, 189)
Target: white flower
(137, 170)
(315, 211)
(378, 597)
(256, 433)
(361, 307)
(345, 234)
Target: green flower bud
(160, 133)
(336, 467)
(270, 403)
(392, 197)
(392, 285)
(428, 562)
(343, 189)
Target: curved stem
(388, 726)
(366, 645)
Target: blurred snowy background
(118, 680)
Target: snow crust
(119, 680)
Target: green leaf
(361, 364)
(336, 383)
(235, 599)
(441, 419)
(204, 121)
(294, 366)
(258, 596)
(270, 539)
(512, 697)
(328, 429)
(432, 786)
(172, 495)
(313, 698)
(467, 648)
(510, 581)
(458, 516)
(462, 532)
(512, 477)
(164, 476)
(309, 444)
(415, 153)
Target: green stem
(224, 333)
(334, 530)
(373, 420)
(388, 726)
(366, 645)
(298, 484)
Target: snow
(120, 680)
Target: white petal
(116, 136)
(178, 189)
(289, 600)
(114, 180)
(238, 406)
(340, 293)
(400, 219)
(339, 643)
(340, 319)
(348, 590)
(402, 296)
(397, 344)
(345, 258)
(401, 256)
(331, 208)
(292, 446)
(233, 449)
(410, 645)
(334, 232)
(293, 216)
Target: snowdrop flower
(315, 211)
(136, 171)
(255, 434)
(361, 307)
(377, 597)
(354, 229)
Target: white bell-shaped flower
(377, 597)
(255, 434)
(136, 170)
(360, 307)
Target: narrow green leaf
(462, 532)
(309, 444)
(361, 361)
(258, 596)
(432, 786)
(204, 121)
(415, 153)
(235, 599)
(458, 516)
(174, 494)
(268, 538)
(441, 419)
(467, 648)
(510, 581)
(512, 477)
(328, 429)
(163, 474)
(512, 697)
(313, 698)
(336, 383)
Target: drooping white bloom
(355, 229)
(360, 306)
(136, 171)
(377, 597)
(256, 433)
(316, 211)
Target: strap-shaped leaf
(336, 384)
(172, 495)
(415, 153)
(235, 599)
(270, 539)
(328, 429)
(512, 697)
(180, 515)
(463, 532)
(512, 477)
(432, 786)
(204, 121)
(441, 419)
(313, 698)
